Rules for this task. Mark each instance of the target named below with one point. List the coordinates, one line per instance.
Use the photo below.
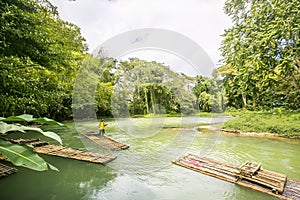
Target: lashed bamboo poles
(258, 178)
(6, 170)
(67, 152)
(104, 141)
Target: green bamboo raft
(104, 141)
(66, 152)
(249, 174)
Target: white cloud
(201, 20)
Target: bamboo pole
(261, 181)
(67, 152)
(104, 141)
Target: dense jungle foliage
(41, 57)
(261, 54)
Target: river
(145, 171)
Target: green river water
(145, 171)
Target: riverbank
(264, 124)
(233, 132)
(241, 122)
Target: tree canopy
(152, 87)
(39, 57)
(261, 53)
(132, 87)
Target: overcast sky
(202, 21)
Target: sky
(202, 21)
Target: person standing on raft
(102, 127)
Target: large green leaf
(23, 156)
(45, 133)
(46, 120)
(4, 128)
(52, 167)
(30, 118)
(24, 117)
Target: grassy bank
(284, 124)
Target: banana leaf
(21, 155)
(30, 118)
(4, 128)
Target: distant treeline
(139, 87)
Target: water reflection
(125, 187)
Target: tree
(261, 53)
(210, 94)
(39, 58)
(151, 87)
(94, 86)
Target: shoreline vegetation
(276, 123)
(250, 123)
(261, 123)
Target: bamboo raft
(66, 152)
(104, 141)
(6, 170)
(249, 175)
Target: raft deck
(6, 170)
(254, 177)
(104, 141)
(66, 152)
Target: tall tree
(39, 58)
(210, 94)
(151, 87)
(94, 86)
(261, 52)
